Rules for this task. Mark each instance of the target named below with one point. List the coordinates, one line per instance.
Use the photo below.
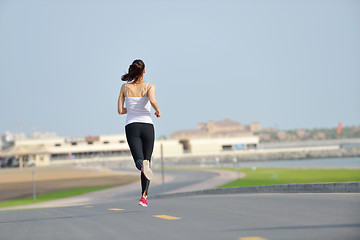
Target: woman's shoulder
(149, 85)
(122, 89)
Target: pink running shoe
(143, 202)
(145, 168)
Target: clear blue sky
(285, 64)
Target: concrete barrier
(341, 187)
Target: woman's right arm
(121, 100)
(151, 94)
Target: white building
(59, 150)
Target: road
(240, 216)
(265, 216)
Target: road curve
(174, 181)
(115, 214)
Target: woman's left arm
(151, 94)
(121, 100)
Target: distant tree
(274, 135)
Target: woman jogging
(138, 96)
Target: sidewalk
(222, 178)
(108, 194)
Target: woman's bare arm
(121, 100)
(151, 94)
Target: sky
(284, 64)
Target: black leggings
(140, 137)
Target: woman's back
(137, 90)
(137, 103)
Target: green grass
(273, 176)
(51, 196)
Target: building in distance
(220, 129)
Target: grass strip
(274, 176)
(52, 196)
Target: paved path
(219, 179)
(115, 214)
(175, 181)
(245, 217)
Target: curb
(342, 187)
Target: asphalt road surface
(240, 216)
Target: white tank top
(138, 108)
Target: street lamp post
(34, 184)
(162, 167)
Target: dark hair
(136, 70)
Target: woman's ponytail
(136, 70)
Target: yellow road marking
(115, 209)
(167, 217)
(251, 238)
(88, 206)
